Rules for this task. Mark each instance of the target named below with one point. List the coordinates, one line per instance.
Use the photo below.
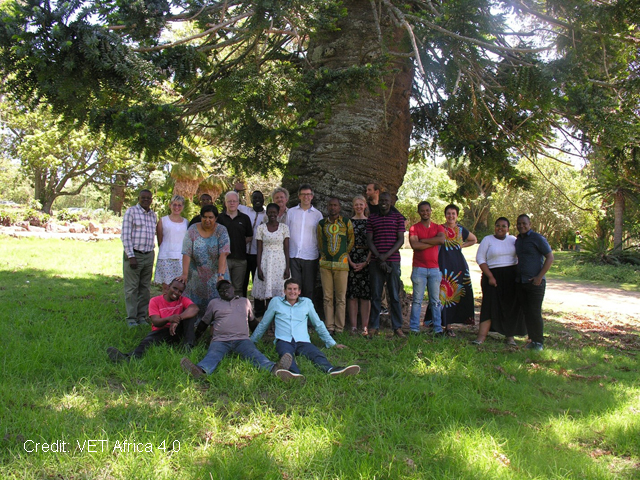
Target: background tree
(263, 78)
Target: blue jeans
(377, 277)
(428, 278)
(305, 349)
(244, 348)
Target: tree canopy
(495, 80)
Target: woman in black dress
(358, 290)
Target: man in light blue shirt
(291, 314)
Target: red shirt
(427, 258)
(159, 306)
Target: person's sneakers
(384, 311)
(116, 356)
(287, 376)
(132, 323)
(142, 321)
(283, 364)
(400, 333)
(193, 370)
(350, 370)
(537, 346)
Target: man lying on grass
(172, 319)
(230, 316)
(291, 314)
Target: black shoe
(193, 370)
(350, 370)
(537, 346)
(398, 332)
(283, 364)
(116, 356)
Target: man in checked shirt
(138, 239)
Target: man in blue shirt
(291, 314)
(534, 260)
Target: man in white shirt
(303, 243)
(257, 214)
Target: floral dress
(358, 282)
(456, 293)
(273, 262)
(203, 269)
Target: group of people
(205, 266)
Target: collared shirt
(335, 241)
(291, 321)
(531, 249)
(239, 229)
(385, 229)
(303, 243)
(138, 230)
(230, 319)
(256, 219)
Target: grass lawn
(421, 408)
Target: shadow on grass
(421, 408)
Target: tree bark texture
(365, 139)
(117, 193)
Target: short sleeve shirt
(385, 229)
(427, 258)
(159, 306)
(531, 249)
(239, 229)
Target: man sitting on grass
(291, 314)
(230, 316)
(172, 318)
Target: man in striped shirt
(385, 236)
(138, 239)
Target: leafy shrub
(65, 215)
(8, 218)
(599, 250)
(36, 217)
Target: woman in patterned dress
(273, 256)
(358, 289)
(456, 293)
(204, 258)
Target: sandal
(365, 331)
(450, 333)
(354, 330)
(477, 342)
(511, 342)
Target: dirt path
(580, 298)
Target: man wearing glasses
(303, 244)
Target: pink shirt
(427, 258)
(159, 306)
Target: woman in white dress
(170, 232)
(273, 256)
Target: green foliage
(9, 217)
(555, 201)
(65, 215)
(424, 182)
(36, 217)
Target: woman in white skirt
(170, 231)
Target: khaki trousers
(334, 288)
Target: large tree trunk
(117, 192)
(618, 216)
(365, 139)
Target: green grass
(567, 267)
(421, 408)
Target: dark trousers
(259, 306)
(185, 332)
(304, 271)
(377, 278)
(530, 298)
(305, 349)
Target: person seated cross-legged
(172, 318)
(229, 316)
(291, 314)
